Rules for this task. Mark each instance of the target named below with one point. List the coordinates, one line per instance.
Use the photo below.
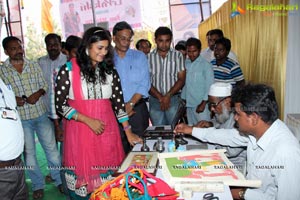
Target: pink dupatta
(88, 153)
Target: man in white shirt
(273, 152)
(212, 36)
(50, 64)
(12, 176)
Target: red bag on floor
(157, 188)
(115, 190)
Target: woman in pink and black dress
(89, 96)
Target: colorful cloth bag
(136, 184)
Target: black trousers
(12, 183)
(139, 123)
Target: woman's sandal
(38, 194)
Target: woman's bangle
(75, 116)
(126, 127)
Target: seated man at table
(273, 151)
(219, 102)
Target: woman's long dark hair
(90, 36)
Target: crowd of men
(221, 109)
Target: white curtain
(292, 87)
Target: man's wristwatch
(242, 194)
(131, 104)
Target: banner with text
(77, 15)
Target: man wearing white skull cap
(219, 102)
(220, 89)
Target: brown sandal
(49, 179)
(38, 194)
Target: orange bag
(115, 188)
(111, 190)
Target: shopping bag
(111, 190)
(157, 188)
(136, 184)
(115, 189)
(131, 189)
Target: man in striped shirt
(225, 69)
(208, 53)
(167, 76)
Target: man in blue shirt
(199, 77)
(132, 66)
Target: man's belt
(9, 163)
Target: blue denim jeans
(42, 127)
(159, 117)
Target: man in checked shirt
(29, 85)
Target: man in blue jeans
(50, 65)
(167, 76)
(28, 84)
